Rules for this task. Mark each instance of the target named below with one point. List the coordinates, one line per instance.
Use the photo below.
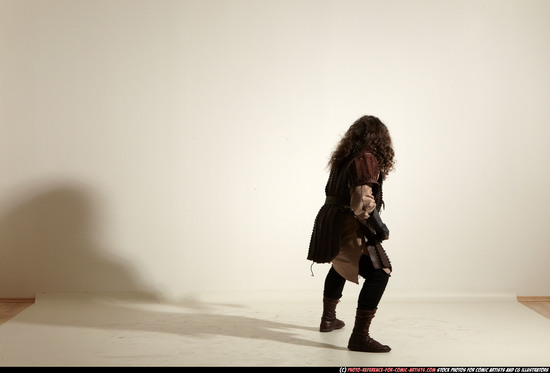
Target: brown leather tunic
(337, 235)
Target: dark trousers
(373, 286)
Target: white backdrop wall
(181, 146)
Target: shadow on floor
(189, 317)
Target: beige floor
(120, 329)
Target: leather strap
(332, 200)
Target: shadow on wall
(49, 242)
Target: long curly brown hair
(366, 134)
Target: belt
(332, 200)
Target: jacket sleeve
(363, 174)
(362, 201)
(363, 170)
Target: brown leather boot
(360, 339)
(329, 322)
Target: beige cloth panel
(346, 263)
(352, 244)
